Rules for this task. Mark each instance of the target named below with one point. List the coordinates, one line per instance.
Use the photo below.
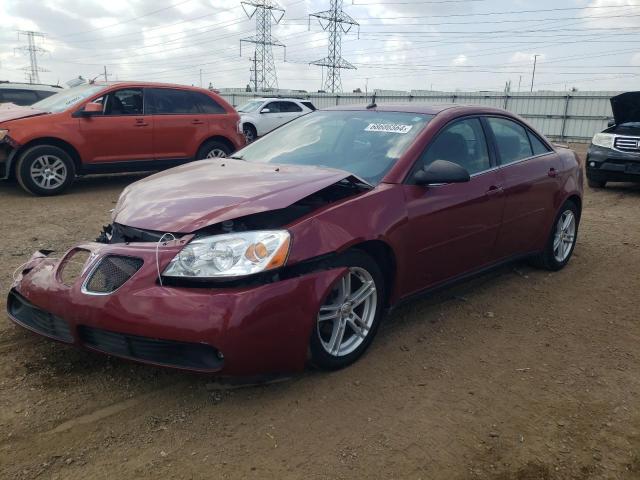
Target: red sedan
(291, 251)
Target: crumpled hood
(187, 198)
(9, 111)
(626, 107)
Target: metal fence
(574, 116)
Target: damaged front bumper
(240, 330)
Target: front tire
(349, 317)
(45, 170)
(562, 239)
(250, 132)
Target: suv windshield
(250, 106)
(364, 143)
(67, 98)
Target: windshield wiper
(236, 157)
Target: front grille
(627, 144)
(195, 356)
(111, 273)
(37, 319)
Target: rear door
(179, 125)
(124, 131)
(529, 169)
(289, 111)
(452, 228)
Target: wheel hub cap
(565, 236)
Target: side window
(309, 105)
(274, 107)
(538, 147)
(206, 103)
(462, 142)
(289, 107)
(167, 101)
(511, 139)
(128, 101)
(19, 97)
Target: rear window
(309, 105)
(167, 101)
(207, 104)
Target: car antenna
(373, 102)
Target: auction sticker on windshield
(388, 128)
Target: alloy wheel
(216, 153)
(346, 318)
(565, 236)
(48, 172)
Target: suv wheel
(45, 170)
(213, 149)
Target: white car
(261, 115)
(25, 94)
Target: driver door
(123, 132)
(452, 228)
(272, 119)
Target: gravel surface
(520, 374)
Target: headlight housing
(603, 140)
(3, 134)
(231, 255)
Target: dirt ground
(520, 374)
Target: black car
(614, 154)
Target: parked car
(113, 127)
(299, 243)
(25, 94)
(261, 115)
(614, 154)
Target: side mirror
(611, 123)
(92, 109)
(441, 171)
(265, 110)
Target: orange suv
(113, 127)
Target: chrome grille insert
(627, 144)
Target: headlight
(3, 133)
(231, 255)
(603, 140)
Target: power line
(33, 70)
(264, 74)
(336, 21)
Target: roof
(29, 86)
(275, 99)
(424, 108)
(145, 84)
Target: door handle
(494, 190)
(140, 122)
(197, 122)
(552, 172)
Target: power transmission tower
(336, 22)
(263, 74)
(33, 70)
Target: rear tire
(45, 170)
(596, 183)
(349, 317)
(213, 149)
(562, 239)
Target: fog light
(592, 164)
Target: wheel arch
(578, 201)
(53, 141)
(382, 253)
(218, 138)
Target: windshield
(67, 98)
(250, 106)
(364, 143)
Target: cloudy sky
(402, 44)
